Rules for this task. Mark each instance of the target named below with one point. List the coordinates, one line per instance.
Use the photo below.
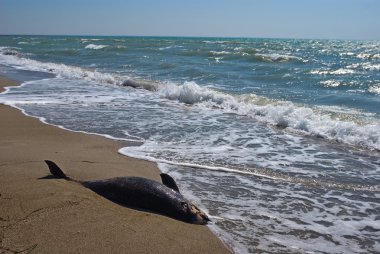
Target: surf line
(264, 173)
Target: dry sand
(58, 216)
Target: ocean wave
(374, 89)
(11, 56)
(87, 40)
(341, 71)
(141, 84)
(278, 57)
(215, 42)
(330, 83)
(365, 66)
(219, 53)
(252, 54)
(368, 56)
(192, 93)
(246, 51)
(171, 47)
(287, 115)
(347, 54)
(357, 91)
(93, 46)
(10, 51)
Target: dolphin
(138, 192)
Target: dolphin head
(193, 214)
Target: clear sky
(334, 19)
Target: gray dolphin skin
(142, 193)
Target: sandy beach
(57, 216)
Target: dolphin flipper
(169, 182)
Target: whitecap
(191, 93)
(171, 47)
(218, 53)
(341, 71)
(347, 54)
(374, 89)
(10, 51)
(365, 66)
(11, 57)
(278, 58)
(91, 39)
(93, 46)
(368, 56)
(290, 116)
(371, 67)
(330, 83)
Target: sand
(57, 216)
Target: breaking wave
(94, 46)
(287, 115)
(341, 71)
(11, 56)
(374, 89)
(278, 58)
(10, 51)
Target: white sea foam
(291, 213)
(218, 53)
(11, 57)
(365, 66)
(287, 115)
(215, 42)
(192, 93)
(87, 40)
(374, 89)
(40, 100)
(94, 46)
(171, 47)
(341, 71)
(368, 56)
(140, 153)
(278, 57)
(331, 83)
(121, 47)
(8, 52)
(359, 91)
(344, 111)
(347, 54)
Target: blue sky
(334, 19)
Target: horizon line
(194, 36)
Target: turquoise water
(277, 139)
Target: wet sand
(57, 216)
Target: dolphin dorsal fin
(55, 170)
(169, 182)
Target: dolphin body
(163, 198)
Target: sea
(278, 140)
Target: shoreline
(54, 215)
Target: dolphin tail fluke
(56, 171)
